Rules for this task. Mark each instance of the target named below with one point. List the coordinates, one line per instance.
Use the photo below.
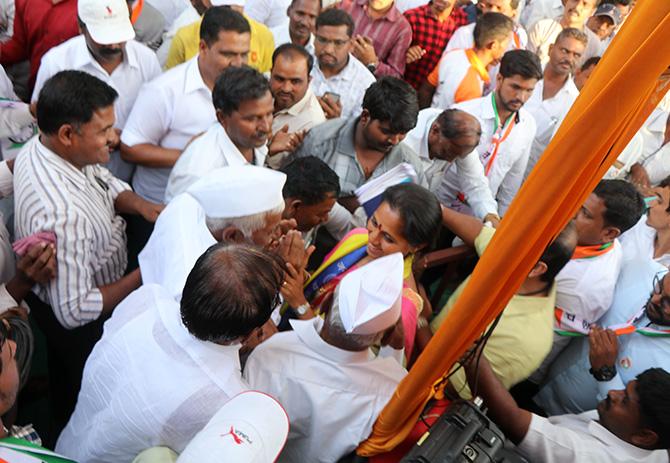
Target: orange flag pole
(618, 97)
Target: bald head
(454, 134)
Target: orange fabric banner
(615, 102)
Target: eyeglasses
(321, 40)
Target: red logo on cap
(237, 440)
(109, 10)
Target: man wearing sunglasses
(593, 365)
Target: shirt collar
(65, 168)
(308, 333)
(601, 433)
(232, 153)
(84, 57)
(300, 106)
(193, 79)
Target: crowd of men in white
(167, 223)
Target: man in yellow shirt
(524, 334)
(185, 43)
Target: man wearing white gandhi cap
(324, 373)
(232, 204)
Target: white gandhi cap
(369, 298)
(252, 427)
(239, 191)
(108, 21)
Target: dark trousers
(138, 231)
(67, 351)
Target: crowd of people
(181, 192)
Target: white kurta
(332, 396)
(148, 382)
(180, 236)
(506, 175)
(470, 171)
(639, 242)
(209, 151)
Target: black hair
(293, 2)
(492, 26)
(392, 100)
(665, 183)
(419, 210)
(592, 61)
(221, 18)
(558, 253)
(571, 32)
(336, 17)
(652, 390)
(522, 63)
(236, 85)
(294, 51)
(309, 179)
(624, 205)
(231, 290)
(452, 124)
(71, 97)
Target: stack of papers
(370, 194)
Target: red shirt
(390, 36)
(39, 25)
(432, 36)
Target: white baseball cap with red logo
(108, 21)
(252, 427)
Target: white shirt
(544, 33)
(464, 38)
(406, 5)
(506, 174)
(15, 119)
(282, 36)
(570, 388)
(351, 84)
(658, 164)
(181, 229)
(455, 72)
(470, 171)
(630, 155)
(548, 114)
(303, 115)
(580, 439)
(209, 151)
(332, 396)
(169, 111)
(148, 382)
(138, 67)
(50, 194)
(272, 13)
(540, 9)
(639, 242)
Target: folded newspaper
(370, 193)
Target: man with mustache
(556, 92)
(106, 50)
(575, 14)
(299, 30)
(507, 132)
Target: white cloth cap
(239, 191)
(370, 298)
(108, 21)
(228, 2)
(252, 427)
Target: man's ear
(221, 117)
(232, 235)
(538, 269)
(291, 207)
(609, 234)
(644, 438)
(65, 134)
(365, 117)
(202, 45)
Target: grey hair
(246, 224)
(338, 334)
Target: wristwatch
(302, 309)
(605, 373)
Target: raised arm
(464, 226)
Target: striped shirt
(50, 194)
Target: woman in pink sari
(407, 221)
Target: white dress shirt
(272, 13)
(570, 388)
(282, 36)
(303, 115)
(182, 229)
(351, 84)
(580, 439)
(548, 114)
(332, 396)
(540, 9)
(50, 194)
(543, 34)
(148, 382)
(469, 170)
(658, 164)
(138, 67)
(169, 112)
(639, 242)
(506, 174)
(209, 151)
(630, 155)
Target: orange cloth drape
(618, 97)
